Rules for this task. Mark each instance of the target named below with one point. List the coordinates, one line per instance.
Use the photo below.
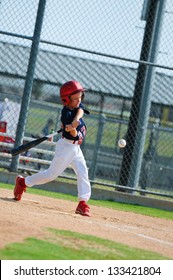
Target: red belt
(75, 142)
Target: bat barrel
(18, 150)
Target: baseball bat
(86, 111)
(31, 144)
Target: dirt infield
(34, 213)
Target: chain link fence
(121, 52)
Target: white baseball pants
(66, 154)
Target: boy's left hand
(69, 127)
(72, 126)
(75, 123)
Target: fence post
(145, 105)
(150, 156)
(28, 82)
(102, 120)
(132, 159)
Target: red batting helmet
(70, 88)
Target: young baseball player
(68, 151)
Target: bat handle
(86, 111)
(60, 130)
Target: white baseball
(122, 143)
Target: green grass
(67, 245)
(152, 212)
(37, 117)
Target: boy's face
(75, 100)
